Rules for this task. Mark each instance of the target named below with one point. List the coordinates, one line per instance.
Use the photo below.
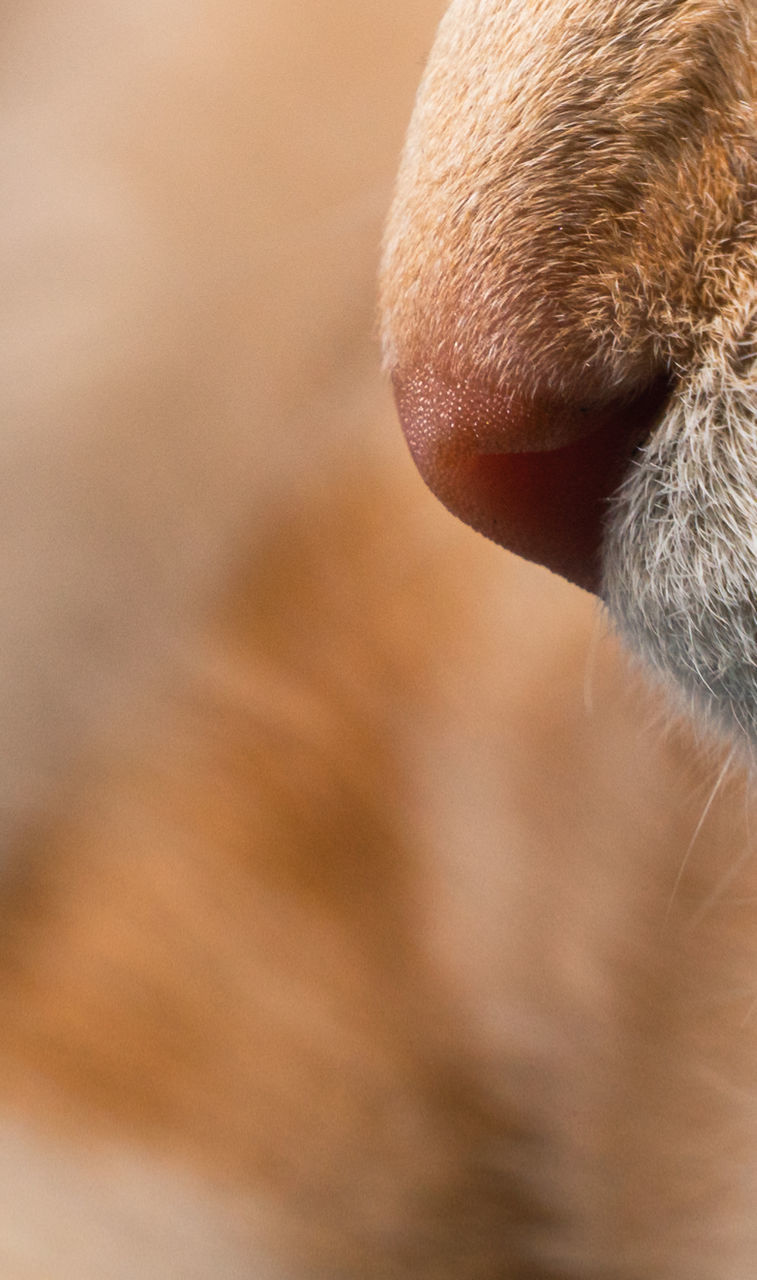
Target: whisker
(697, 830)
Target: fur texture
(575, 215)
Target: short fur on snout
(575, 217)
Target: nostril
(532, 474)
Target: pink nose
(534, 475)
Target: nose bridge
(503, 236)
(511, 287)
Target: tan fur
(550, 193)
(373, 920)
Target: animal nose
(532, 473)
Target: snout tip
(532, 473)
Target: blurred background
(330, 831)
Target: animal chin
(534, 475)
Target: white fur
(680, 559)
